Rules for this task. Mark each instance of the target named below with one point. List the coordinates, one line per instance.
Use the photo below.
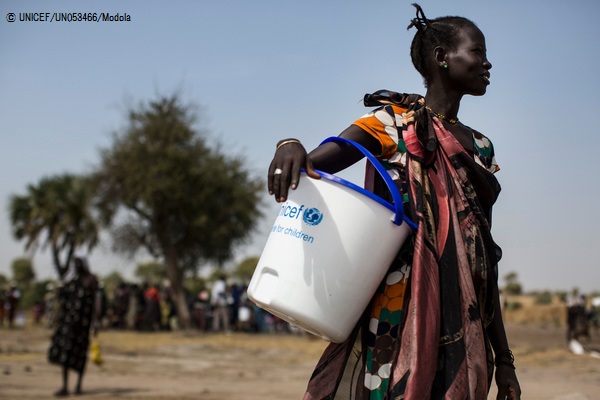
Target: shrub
(543, 298)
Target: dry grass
(532, 314)
(190, 365)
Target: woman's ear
(440, 57)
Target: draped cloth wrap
(441, 350)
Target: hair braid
(431, 33)
(420, 22)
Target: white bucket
(327, 253)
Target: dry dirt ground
(257, 367)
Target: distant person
(2, 309)
(121, 305)
(201, 310)
(38, 312)
(102, 303)
(244, 314)
(152, 312)
(140, 307)
(577, 318)
(595, 313)
(218, 300)
(77, 315)
(236, 291)
(169, 308)
(51, 305)
(11, 303)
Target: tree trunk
(183, 312)
(60, 269)
(175, 275)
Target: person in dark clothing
(13, 296)
(77, 315)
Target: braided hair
(431, 33)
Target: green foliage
(510, 277)
(182, 200)
(111, 281)
(246, 268)
(33, 294)
(22, 272)
(195, 284)
(179, 194)
(513, 288)
(218, 273)
(151, 272)
(513, 305)
(562, 296)
(544, 297)
(3, 281)
(58, 213)
(512, 284)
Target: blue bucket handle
(396, 195)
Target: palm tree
(56, 213)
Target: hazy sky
(265, 70)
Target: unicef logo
(312, 216)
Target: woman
(436, 332)
(77, 314)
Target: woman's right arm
(290, 157)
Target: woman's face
(468, 66)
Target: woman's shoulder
(482, 142)
(478, 135)
(484, 151)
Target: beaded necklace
(441, 116)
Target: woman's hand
(507, 382)
(284, 171)
(290, 157)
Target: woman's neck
(443, 102)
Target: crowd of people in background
(149, 307)
(222, 307)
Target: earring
(445, 66)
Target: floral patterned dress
(70, 341)
(423, 335)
